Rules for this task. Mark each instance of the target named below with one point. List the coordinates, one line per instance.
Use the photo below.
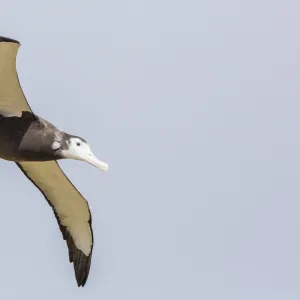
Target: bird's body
(26, 138)
(29, 137)
(35, 145)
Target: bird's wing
(12, 98)
(70, 208)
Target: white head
(77, 148)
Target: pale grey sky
(195, 106)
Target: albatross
(35, 145)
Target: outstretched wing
(69, 206)
(11, 94)
(71, 210)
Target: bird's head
(74, 147)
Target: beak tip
(104, 167)
(98, 163)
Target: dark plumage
(26, 138)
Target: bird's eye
(78, 144)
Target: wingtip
(6, 39)
(81, 284)
(81, 279)
(82, 269)
(81, 262)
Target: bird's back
(25, 138)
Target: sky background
(195, 106)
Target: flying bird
(35, 145)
